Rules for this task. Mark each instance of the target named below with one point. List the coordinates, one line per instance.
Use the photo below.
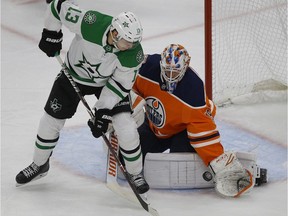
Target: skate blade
(34, 179)
(144, 196)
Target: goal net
(246, 48)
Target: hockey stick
(145, 205)
(112, 173)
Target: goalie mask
(129, 30)
(174, 62)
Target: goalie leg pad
(186, 170)
(176, 171)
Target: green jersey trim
(94, 25)
(132, 57)
(76, 76)
(113, 89)
(44, 147)
(54, 11)
(132, 158)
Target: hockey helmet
(128, 27)
(174, 62)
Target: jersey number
(135, 74)
(72, 17)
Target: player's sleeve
(117, 88)
(64, 12)
(121, 82)
(203, 134)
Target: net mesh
(249, 47)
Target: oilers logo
(155, 111)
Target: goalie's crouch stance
(179, 117)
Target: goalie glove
(230, 177)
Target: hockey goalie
(231, 174)
(174, 115)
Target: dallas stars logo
(125, 25)
(90, 18)
(91, 69)
(55, 106)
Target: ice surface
(75, 183)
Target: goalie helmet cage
(245, 47)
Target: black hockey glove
(51, 42)
(99, 124)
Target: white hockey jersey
(91, 60)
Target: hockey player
(103, 59)
(179, 117)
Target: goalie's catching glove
(100, 123)
(51, 42)
(230, 177)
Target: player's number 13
(72, 17)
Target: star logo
(125, 25)
(91, 69)
(55, 106)
(108, 48)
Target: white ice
(75, 183)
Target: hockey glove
(51, 42)
(230, 177)
(100, 123)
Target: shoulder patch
(132, 57)
(94, 25)
(90, 18)
(140, 56)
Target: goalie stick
(144, 204)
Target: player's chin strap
(144, 204)
(230, 177)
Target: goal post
(208, 47)
(245, 47)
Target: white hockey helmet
(128, 27)
(174, 62)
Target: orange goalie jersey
(187, 108)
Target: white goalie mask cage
(174, 62)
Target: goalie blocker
(187, 170)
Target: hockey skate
(139, 182)
(32, 173)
